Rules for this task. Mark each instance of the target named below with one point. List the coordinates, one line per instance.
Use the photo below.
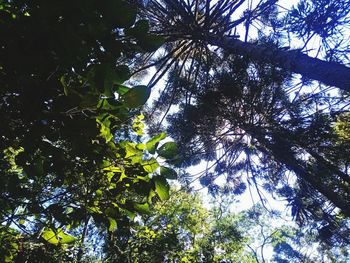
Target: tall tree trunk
(324, 182)
(329, 73)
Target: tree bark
(329, 73)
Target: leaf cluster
(71, 153)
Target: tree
(178, 230)
(75, 165)
(182, 230)
(193, 25)
(71, 150)
(267, 230)
(247, 122)
(240, 108)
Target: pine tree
(190, 26)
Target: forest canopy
(95, 169)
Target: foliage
(178, 230)
(244, 119)
(325, 19)
(192, 27)
(182, 230)
(74, 161)
(62, 71)
(342, 127)
(267, 230)
(246, 114)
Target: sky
(250, 197)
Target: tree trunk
(339, 199)
(282, 153)
(329, 73)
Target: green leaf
(168, 150)
(161, 187)
(57, 237)
(131, 152)
(102, 77)
(150, 165)
(121, 90)
(112, 224)
(152, 144)
(98, 192)
(138, 125)
(111, 105)
(142, 208)
(137, 96)
(112, 212)
(65, 238)
(64, 84)
(130, 214)
(151, 194)
(141, 146)
(113, 75)
(168, 173)
(50, 236)
(104, 124)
